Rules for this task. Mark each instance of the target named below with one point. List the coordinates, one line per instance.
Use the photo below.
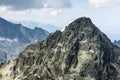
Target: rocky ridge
(80, 52)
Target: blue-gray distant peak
(15, 37)
(23, 34)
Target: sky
(105, 14)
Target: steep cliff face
(80, 52)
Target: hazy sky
(105, 14)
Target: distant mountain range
(15, 37)
(117, 43)
(49, 27)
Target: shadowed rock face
(80, 52)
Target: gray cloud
(59, 3)
(34, 4)
(22, 4)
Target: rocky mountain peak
(83, 20)
(80, 52)
(80, 23)
(82, 26)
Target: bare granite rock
(80, 52)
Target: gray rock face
(80, 52)
(15, 37)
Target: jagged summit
(81, 24)
(80, 52)
(83, 20)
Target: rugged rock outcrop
(80, 52)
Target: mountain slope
(3, 57)
(80, 52)
(15, 37)
(117, 43)
(17, 31)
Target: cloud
(98, 3)
(59, 3)
(21, 4)
(101, 3)
(45, 11)
(3, 9)
(55, 12)
(34, 4)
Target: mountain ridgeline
(117, 43)
(15, 37)
(80, 52)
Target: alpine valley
(80, 52)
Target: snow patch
(9, 40)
